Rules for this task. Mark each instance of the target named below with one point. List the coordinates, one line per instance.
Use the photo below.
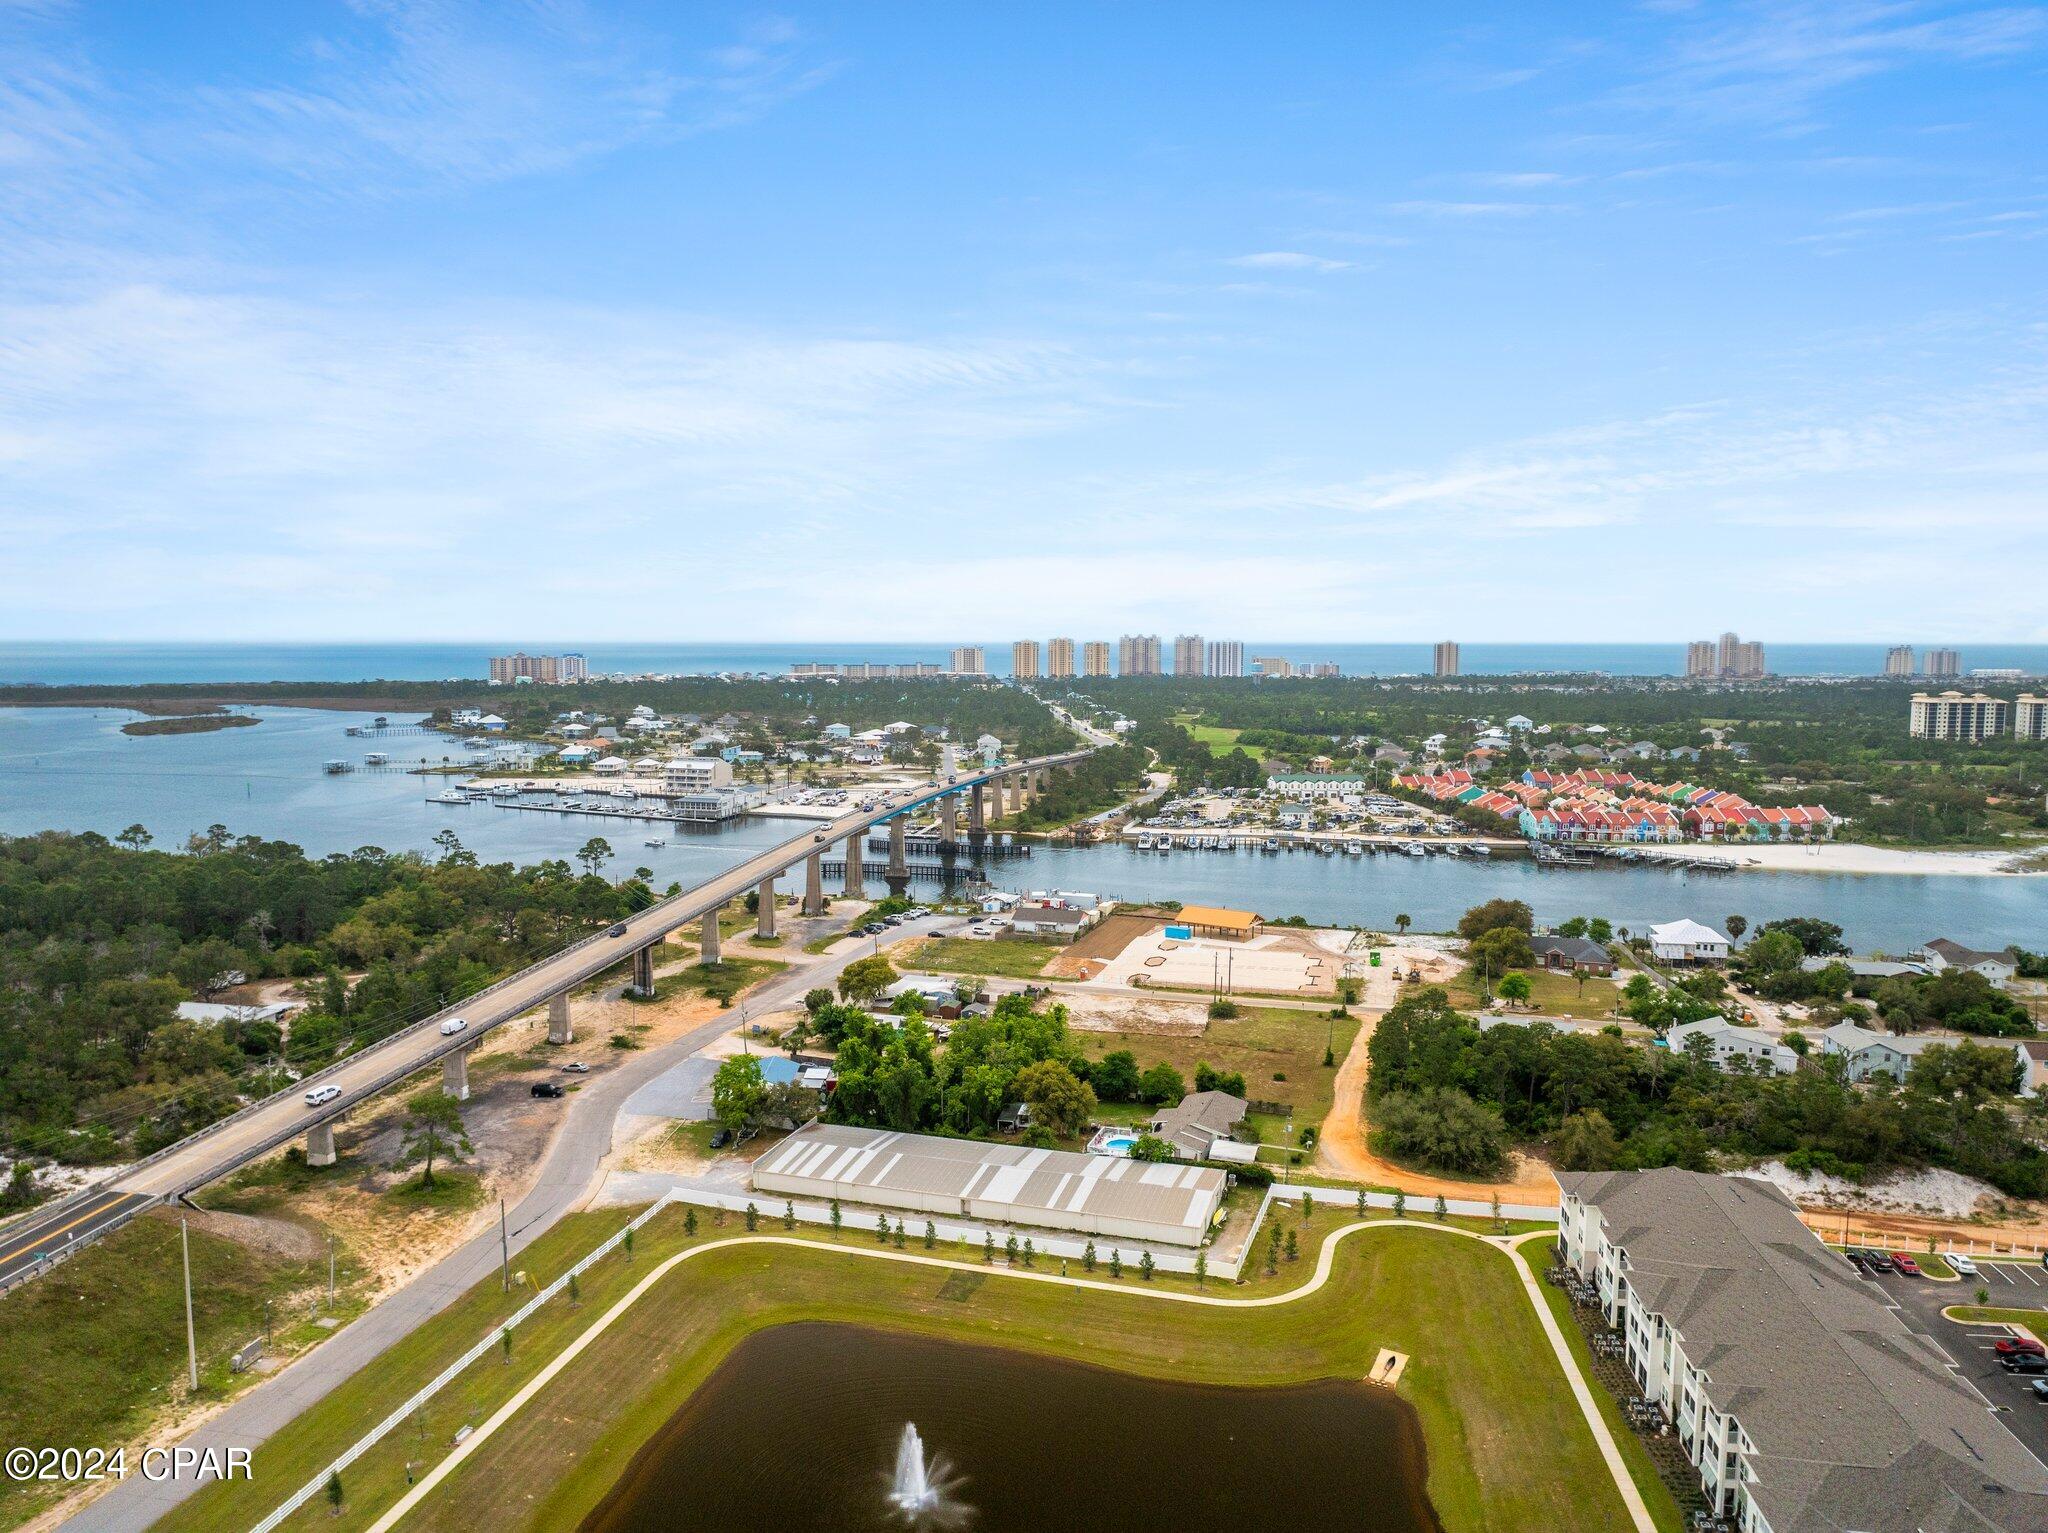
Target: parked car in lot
(2015, 1346)
(2039, 1388)
(577, 1067)
(1963, 1266)
(453, 1026)
(2024, 1362)
(1905, 1266)
(547, 1088)
(322, 1094)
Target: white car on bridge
(320, 1095)
(453, 1026)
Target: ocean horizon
(132, 664)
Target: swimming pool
(1120, 1144)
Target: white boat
(451, 796)
(375, 758)
(1482, 850)
(504, 790)
(1145, 842)
(1415, 849)
(1354, 848)
(656, 841)
(1272, 843)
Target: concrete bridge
(52, 1233)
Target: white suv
(453, 1026)
(322, 1094)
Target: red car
(2015, 1346)
(1905, 1266)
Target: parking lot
(2011, 1285)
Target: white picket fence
(448, 1375)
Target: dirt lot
(1088, 954)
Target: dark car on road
(617, 931)
(546, 1089)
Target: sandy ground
(1849, 857)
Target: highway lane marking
(35, 1239)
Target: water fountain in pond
(920, 1491)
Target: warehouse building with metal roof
(1002, 1183)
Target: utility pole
(191, 1337)
(330, 1274)
(504, 1250)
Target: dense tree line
(1448, 1095)
(100, 942)
(1102, 781)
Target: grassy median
(1507, 1447)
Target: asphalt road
(568, 1174)
(262, 1127)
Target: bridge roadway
(262, 1126)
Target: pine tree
(1010, 1251)
(837, 1218)
(1293, 1247)
(334, 1491)
(1308, 1206)
(1029, 1255)
(882, 1228)
(1088, 1257)
(1400, 1204)
(1201, 1269)
(690, 1222)
(1116, 1264)
(753, 1219)
(1146, 1266)
(1443, 1209)
(788, 1214)
(931, 1234)
(899, 1234)
(988, 1248)
(1361, 1202)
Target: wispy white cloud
(1289, 260)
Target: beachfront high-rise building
(1059, 658)
(1095, 658)
(2030, 717)
(545, 670)
(1187, 655)
(1700, 664)
(1324, 669)
(1271, 665)
(1226, 657)
(1944, 662)
(1024, 659)
(970, 660)
(1137, 654)
(1954, 716)
(1446, 662)
(1736, 659)
(1898, 660)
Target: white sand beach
(1849, 857)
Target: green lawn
(2035, 1320)
(95, 1346)
(1550, 995)
(1010, 957)
(1264, 1043)
(1507, 1448)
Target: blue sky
(1350, 322)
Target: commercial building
(1956, 716)
(1700, 664)
(1217, 921)
(1188, 656)
(2030, 717)
(1795, 1390)
(1095, 658)
(869, 670)
(1059, 659)
(1101, 1195)
(1944, 662)
(1324, 669)
(1272, 665)
(1226, 657)
(1446, 660)
(1898, 660)
(1318, 784)
(1024, 659)
(1137, 654)
(970, 660)
(572, 667)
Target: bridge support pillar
(320, 1145)
(708, 950)
(643, 970)
(455, 1074)
(998, 792)
(814, 884)
(559, 1028)
(977, 810)
(764, 914)
(949, 821)
(856, 846)
(898, 875)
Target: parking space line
(2030, 1277)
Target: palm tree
(1737, 925)
(1402, 922)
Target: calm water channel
(73, 769)
(803, 1427)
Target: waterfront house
(1942, 954)
(1572, 955)
(1687, 941)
